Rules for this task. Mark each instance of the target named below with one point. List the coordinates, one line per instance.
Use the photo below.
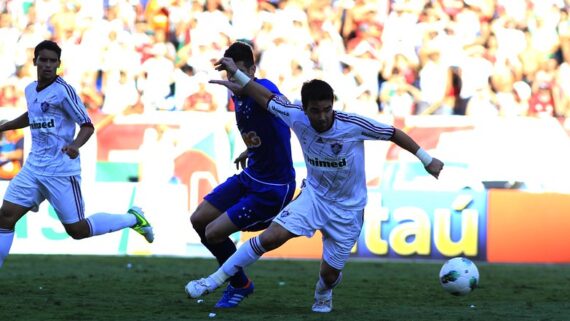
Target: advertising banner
(420, 224)
(490, 203)
(528, 227)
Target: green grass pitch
(56, 287)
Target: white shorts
(340, 227)
(62, 192)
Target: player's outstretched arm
(431, 164)
(16, 123)
(240, 82)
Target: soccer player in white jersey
(334, 193)
(52, 169)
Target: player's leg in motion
(273, 237)
(65, 197)
(103, 223)
(218, 227)
(10, 213)
(339, 236)
(240, 203)
(329, 278)
(212, 224)
(214, 229)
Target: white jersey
(53, 113)
(335, 158)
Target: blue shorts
(250, 203)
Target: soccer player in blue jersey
(251, 199)
(52, 169)
(334, 195)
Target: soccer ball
(459, 276)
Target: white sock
(322, 289)
(6, 238)
(219, 277)
(245, 255)
(102, 223)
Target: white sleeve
(364, 128)
(74, 106)
(283, 109)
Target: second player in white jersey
(52, 171)
(53, 113)
(334, 158)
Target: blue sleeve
(269, 85)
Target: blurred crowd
(398, 57)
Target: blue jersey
(268, 139)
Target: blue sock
(222, 251)
(239, 280)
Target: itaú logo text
(415, 228)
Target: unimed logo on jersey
(322, 163)
(43, 124)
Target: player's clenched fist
(71, 151)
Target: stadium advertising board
(167, 162)
(528, 227)
(420, 224)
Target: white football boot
(323, 302)
(198, 288)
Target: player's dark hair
(316, 90)
(240, 51)
(49, 45)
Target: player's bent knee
(78, 231)
(77, 235)
(273, 238)
(7, 219)
(200, 218)
(6, 223)
(4, 219)
(214, 236)
(10, 214)
(197, 221)
(330, 276)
